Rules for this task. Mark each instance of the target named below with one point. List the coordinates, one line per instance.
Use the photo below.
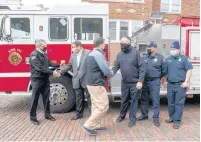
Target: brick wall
(113, 51)
(188, 8)
(142, 12)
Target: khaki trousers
(99, 106)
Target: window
(20, 28)
(123, 29)
(120, 28)
(88, 28)
(137, 1)
(173, 6)
(131, 1)
(113, 30)
(58, 28)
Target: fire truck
(60, 25)
(186, 30)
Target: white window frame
(118, 28)
(127, 1)
(130, 28)
(170, 8)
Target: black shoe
(101, 129)
(89, 131)
(131, 124)
(35, 121)
(142, 118)
(119, 119)
(156, 123)
(49, 117)
(176, 125)
(75, 118)
(168, 121)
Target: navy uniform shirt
(155, 66)
(40, 63)
(177, 68)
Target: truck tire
(62, 95)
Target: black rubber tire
(66, 81)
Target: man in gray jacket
(77, 64)
(97, 72)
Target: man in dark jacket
(133, 71)
(40, 73)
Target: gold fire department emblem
(15, 58)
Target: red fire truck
(59, 26)
(186, 30)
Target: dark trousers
(176, 99)
(80, 100)
(129, 91)
(151, 88)
(40, 87)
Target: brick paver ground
(15, 124)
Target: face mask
(44, 49)
(173, 52)
(74, 50)
(124, 47)
(149, 51)
(104, 49)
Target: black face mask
(125, 47)
(44, 49)
(104, 49)
(149, 51)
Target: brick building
(126, 16)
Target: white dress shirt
(78, 57)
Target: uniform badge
(155, 60)
(15, 58)
(33, 57)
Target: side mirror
(7, 27)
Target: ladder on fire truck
(141, 32)
(155, 16)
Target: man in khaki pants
(97, 71)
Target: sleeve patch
(33, 57)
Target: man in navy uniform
(133, 71)
(40, 73)
(156, 69)
(178, 76)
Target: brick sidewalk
(15, 125)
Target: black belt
(176, 83)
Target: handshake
(57, 73)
